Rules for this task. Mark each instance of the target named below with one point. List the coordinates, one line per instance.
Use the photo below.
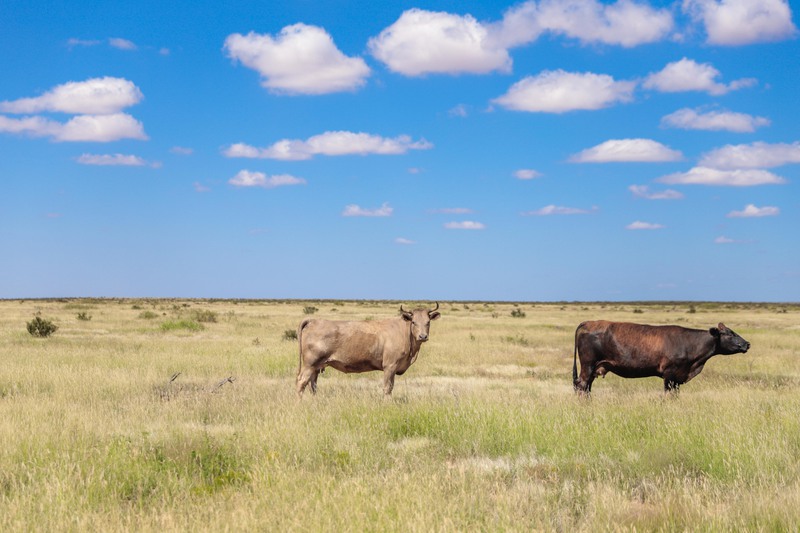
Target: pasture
(484, 432)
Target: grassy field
(484, 432)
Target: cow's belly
(352, 367)
(627, 371)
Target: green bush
(290, 335)
(310, 310)
(172, 325)
(203, 315)
(84, 316)
(148, 315)
(518, 313)
(39, 327)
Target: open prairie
(484, 432)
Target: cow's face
(728, 341)
(420, 321)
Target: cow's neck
(709, 349)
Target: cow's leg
(584, 383)
(313, 381)
(305, 375)
(388, 381)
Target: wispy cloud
(627, 150)
(755, 155)
(354, 210)
(643, 191)
(453, 211)
(181, 150)
(404, 241)
(111, 160)
(557, 91)
(751, 211)
(723, 178)
(691, 119)
(465, 224)
(639, 225)
(301, 59)
(527, 174)
(122, 44)
(330, 143)
(199, 187)
(246, 178)
(688, 75)
(558, 210)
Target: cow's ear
(434, 315)
(714, 332)
(406, 316)
(722, 327)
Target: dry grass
(484, 432)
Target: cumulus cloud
(89, 128)
(726, 178)
(556, 210)
(625, 23)
(96, 96)
(527, 174)
(426, 42)
(466, 224)
(557, 91)
(627, 150)
(330, 143)
(643, 191)
(246, 178)
(111, 160)
(301, 59)
(688, 75)
(691, 119)
(755, 155)
(739, 22)
(751, 211)
(639, 225)
(354, 210)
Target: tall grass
(484, 432)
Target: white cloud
(639, 225)
(111, 160)
(466, 224)
(751, 211)
(181, 150)
(726, 178)
(96, 96)
(330, 143)
(73, 42)
(245, 178)
(643, 191)
(527, 174)
(723, 240)
(89, 128)
(688, 75)
(690, 119)
(301, 59)
(738, 22)
(557, 210)
(403, 240)
(122, 44)
(354, 210)
(755, 155)
(425, 42)
(459, 111)
(624, 23)
(627, 150)
(559, 91)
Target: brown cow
(674, 353)
(391, 345)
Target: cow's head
(420, 319)
(728, 342)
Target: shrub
(148, 315)
(310, 310)
(692, 309)
(39, 327)
(203, 315)
(518, 313)
(290, 335)
(84, 316)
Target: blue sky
(539, 150)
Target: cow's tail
(300, 342)
(575, 359)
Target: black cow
(674, 353)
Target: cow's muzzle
(422, 337)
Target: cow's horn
(435, 308)
(402, 311)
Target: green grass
(484, 432)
